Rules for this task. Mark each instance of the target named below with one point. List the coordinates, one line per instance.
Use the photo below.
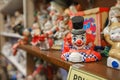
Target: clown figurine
(38, 38)
(78, 45)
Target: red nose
(79, 42)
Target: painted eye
(74, 38)
(112, 33)
(82, 38)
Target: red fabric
(70, 25)
(50, 41)
(35, 39)
(103, 9)
(42, 37)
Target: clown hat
(77, 22)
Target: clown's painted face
(79, 40)
(115, 34)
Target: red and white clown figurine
(78, 45)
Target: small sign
(77, 74)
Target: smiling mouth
(79, 45)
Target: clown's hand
(90, 44)
(14, 48)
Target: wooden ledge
(97, 68)
(50, 56)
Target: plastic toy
(78, 45)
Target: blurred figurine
(74, 9)
(114, 16)
(63, 29)
(58, 6)
(35, 33)
(42, 19)
(78, 45)
(39, 39)
(47, 26)
(111, 34)
(24, 40)
(18, 24)
(118, 3)
(113, 38)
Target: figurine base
(56, 47)
(57, 44)
(76, 57)
(114, 63)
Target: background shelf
(18, 61)
(14, 35)
(16, 64)
(11, 5)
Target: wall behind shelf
(104, 3)
(97, 3)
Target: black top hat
(77, 22)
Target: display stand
(94, 19)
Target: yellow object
(77, 74)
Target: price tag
(77, 74)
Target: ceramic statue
(111, 34)
(113, 38)
(78, 45)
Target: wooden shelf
(50, 56)
(98, 68)
(14, 35)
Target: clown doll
(78, 45)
